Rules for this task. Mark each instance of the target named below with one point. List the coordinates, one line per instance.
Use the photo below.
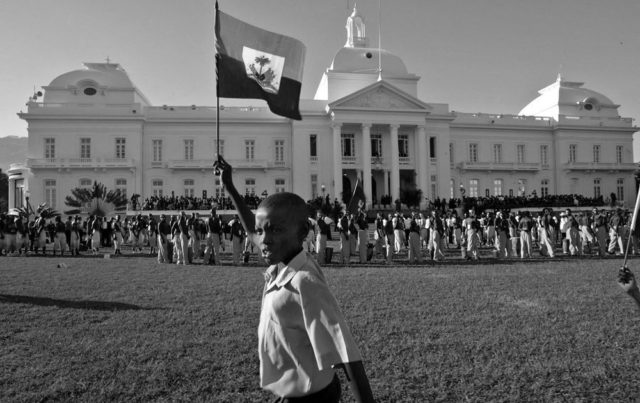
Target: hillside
(12, 149)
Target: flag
(254, 63)
(358, 199)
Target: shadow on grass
(61, 303)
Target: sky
(488, 56)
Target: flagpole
(634, 219)
(217, 171)
(379, 40)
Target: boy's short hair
(290, 202)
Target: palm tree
(262, 60)
(95, 201)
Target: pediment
(380, 96)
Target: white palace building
(95, 124)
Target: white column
(366, 162)
(395, 164)
(337, 161)
(12, 192)
(423, 160)
(386, 182)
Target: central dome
(365, 60)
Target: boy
(302, 333)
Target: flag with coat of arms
(255, 63)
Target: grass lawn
(128, 329)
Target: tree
(95, 201)
(4, 192)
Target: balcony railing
(80, 163)
(499, 166)
(599, 166)
(405, 160)
(349, 160)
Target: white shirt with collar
(302, 331)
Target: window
(544, 187)
(85, 148)
(348, 145)
(156, 187)
(619, 154)
(250, 187)
(121, 186)
(473, 152)
(376, 145)
(189, 190)
(403, 146)
(49, 148)
(572, 152)
(188, 149)
(280, 185)
(497, 187)
(313, 145)
(219, 146)
(452, 186)
(432, 147)
(50, 192)
(473, 188)
(249, 149)
(544, 155)
(279, 145)
(596, 187)
(314, 186)
(520, 153)
(596, 154)
(522, 187)
(219, 190)
(157, 150)
(497, 153)
(120, 147)
(451, 153)
(85, 183)
(620, 189)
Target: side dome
(95, 83)
(103, 74)
(570, 99)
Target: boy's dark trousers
(330, 394)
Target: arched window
(596, 188)
(544, 187)
(50, 196)
(189, 190)
(156, 187)
(250, 187)
(473, 188)
(497, 187)
(121, 185)
(620, 188)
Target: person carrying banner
(345, 242)
(323, 233)
(214, 236)
(302, 335)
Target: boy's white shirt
(302, 331)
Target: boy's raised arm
(247, 217)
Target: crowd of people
(183, 238)
(178, 238)
(179, 203)
(507, 234)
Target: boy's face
(279, 233)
